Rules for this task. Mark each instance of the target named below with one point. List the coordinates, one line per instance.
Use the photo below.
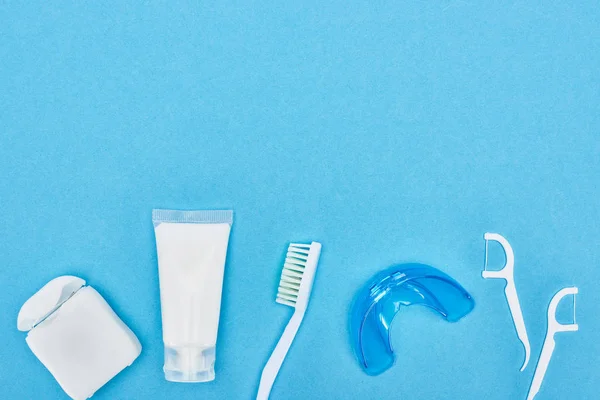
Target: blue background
(389, 131)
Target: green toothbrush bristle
(291, 275)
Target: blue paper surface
(391, 132)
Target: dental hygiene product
(510, 291)
(294, 290)
(77, 336)
(554, 327)
(191, 248)
(382, 297)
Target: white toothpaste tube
(191, 247)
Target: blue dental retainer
(378, 302)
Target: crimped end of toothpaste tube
(192, 217)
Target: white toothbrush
(294, 290)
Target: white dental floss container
(77, 336)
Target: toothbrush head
(298, 274)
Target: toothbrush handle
(276, 360)
(541, 368)
(517, 314)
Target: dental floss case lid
(77, 336)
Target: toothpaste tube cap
(189, 363)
